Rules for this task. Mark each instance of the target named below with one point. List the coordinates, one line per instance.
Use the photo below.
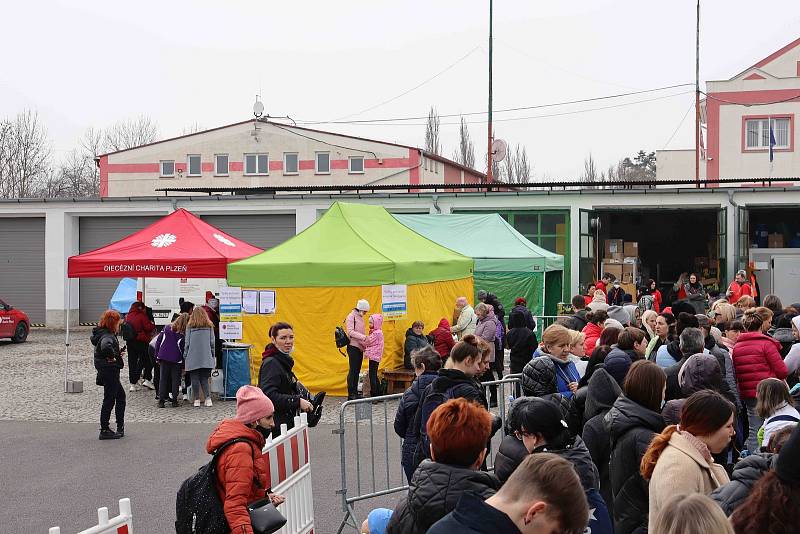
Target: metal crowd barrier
(121, 524)
(378, 471)
(543, 321)
(288, 460)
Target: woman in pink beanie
(241, 468)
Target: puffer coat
(745, 475)
(544, 375)
(755, 357)
(434, 492)
(592, 333)
(106, 349)
(241, 472)
(443, 340)
(631, 427)
(406, 411)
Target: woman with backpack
(108, 362)
(169, 356)
(241, 469)
(199, 355)
(356, 329)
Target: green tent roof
(488, 238)
(351, 245)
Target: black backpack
(198, 509)
(427, 405)
(127, 331)
(341, 337)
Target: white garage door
(22, 282)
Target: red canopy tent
(180, 245)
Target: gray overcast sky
(90, 63)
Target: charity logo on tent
(224, 240)
(163, 240)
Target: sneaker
(107, 433)
(185, 397)
(135, 387)
(148, 384)
(208, 402)
(121, 431)
(197, 403)
(161, 404)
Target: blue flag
(772, 142)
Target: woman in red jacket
(593, 329)
(241, 468)
(756, 356)
(443, 340)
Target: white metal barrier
(289, 470)
(121, 524)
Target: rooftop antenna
(258, 111)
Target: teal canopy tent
(506, 263)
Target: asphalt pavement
(58, 474)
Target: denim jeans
(199, 378)
(113, 398)
(755, 423)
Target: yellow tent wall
(315, 312)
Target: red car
(14, 324)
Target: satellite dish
(258, 108)
(499, 150)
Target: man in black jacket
(691, 342)
(578, 319)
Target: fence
(288, 461)
(543, 321)
(121, 524)
(378, 471)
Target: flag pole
(697, 102)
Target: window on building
(323, 163)
(757, 132)
(290, 165)
(256, 164)
(356, 165)
(221, 165)
(193, 164)
(167, 169)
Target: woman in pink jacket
(374, 351)
(356, 329)
(756, 356)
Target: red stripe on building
(133, 167)
(207, 166)
(306, 165)
(236, 166)
(340, 164)
(295, 454)
(414, 164)
(281, 462)
(103, 176)
(276, 165)
(387, 163)
(180, 167)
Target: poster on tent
(230, 313)
(394, 301)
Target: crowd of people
(664, 418)
(183, 354)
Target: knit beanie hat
(618, 313)
(613, 323)
(788, 464)
(252, 405)
(362, 305)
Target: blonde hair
(576, 337)
(746, 302)
(691, 514)
(555, 334)
(726, 310)
(199, 319)
(180, 322)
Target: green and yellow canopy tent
(350, 253)
(506, 263)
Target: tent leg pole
(66, 339)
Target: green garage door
(22, 282)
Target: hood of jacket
(618, 362)
(627, 414)
(674, 350)
(754, 467)
(451, 377)
(271, 351)
(516, 318)
(783, 335)
(377, 321)
(229, 429)
(577, 453)
(444, 323)
(601, 394)
(98, 333)
(701, 371)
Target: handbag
(264, 517)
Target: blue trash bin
(236, 367)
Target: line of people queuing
(185, 350)
(670, 420)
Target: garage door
(22, 265)
(263, 231)
(96, 232)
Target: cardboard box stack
(621, 258)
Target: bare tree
(192, 128)
(590, 175)
(130, 133)
(465, 155)
(517, 167)
(24, 155)
(432, 133)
